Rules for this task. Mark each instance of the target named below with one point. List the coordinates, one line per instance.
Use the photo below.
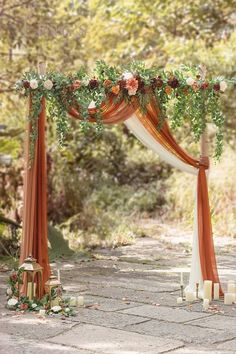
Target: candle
(228, 299)
(231, 286)
(206, 304)
(207, 290)
(181, 278)
(29, 290)
(179, 300)
(42, 312)
(59, 275)
(234, 297)
(55, 302)
(73, 301)
(190, 296)
(216, 291)
(80, 300)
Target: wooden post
(204, 144)
(204, 137)
(42, 68)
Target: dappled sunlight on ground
(130, 303)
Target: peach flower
(223, 86)
(115, 89)
(195, 86)
(33, 84)
(48, 84)
(107, 83)
(132, 86)
(76, 84)
(168, 90)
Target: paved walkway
(130, 295)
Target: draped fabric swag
(144, 127)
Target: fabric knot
(204, 162)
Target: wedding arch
(139, 98)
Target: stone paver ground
(130, 305)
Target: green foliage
(200, 98)
(14, 282)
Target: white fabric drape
(138, 129)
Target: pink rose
(23, 307)
(13, 277)
(132, 86)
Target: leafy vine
(189, 94)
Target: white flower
(48, 84)
(127, 75)
(33, 84)
(92, 104)
(56, 308)
(190, 81)
(132, 92)
(12, 302)
(33, 306)
(19, 83)
(67, 309)
(85, 81)
(223, 86)
(9, 291)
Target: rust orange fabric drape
(35, 215)
(206, 245)
(150, 121)
(35, 238)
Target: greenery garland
(190, 95)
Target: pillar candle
(216, 291)
(207, 290)
(42, 312)
(80, 300)
(206, 303)
(228, 299)
(29, 290)
(179, 300)
(55, 302)
(234, 297)
(73, 301)
(231, 286)
(35, 286)
(190, 296)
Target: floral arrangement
(22, 303)
(190, 95)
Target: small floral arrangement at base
(22, 303)
(63, 309)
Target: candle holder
(197, 290)
(32, 269)
(182, 291)
(51, 286)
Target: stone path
(130, 295)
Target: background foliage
(98, 184)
